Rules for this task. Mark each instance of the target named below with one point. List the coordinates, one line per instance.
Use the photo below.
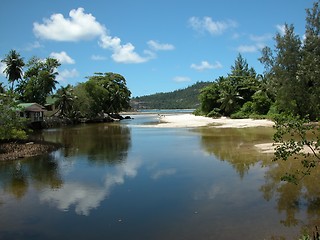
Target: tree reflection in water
(102, 143)
(41, 171)
(299, 203)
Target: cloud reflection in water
(86, 197)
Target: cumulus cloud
(83, 26)
(206, 24)
(181, 79)
(65, 74)
(154, 45)
(204, 65)
(79, 26)
(62, 57)
(123, 53)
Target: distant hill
(186, 98)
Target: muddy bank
(15, 149)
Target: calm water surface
(129, 181)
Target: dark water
(128, 181)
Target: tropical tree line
(289, 85)
(36, 81)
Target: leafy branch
(297, 139)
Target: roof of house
(31, 107)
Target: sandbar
(189, 121)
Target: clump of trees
(290, 83)
(102, 93)
(240, 94)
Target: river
(129, 180)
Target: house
(31, 111)
(51, 107)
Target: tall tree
(309, 74)
(282, 70)
(244, 79)
(40, 80)
(14, 64)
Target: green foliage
(39, 80)
(298, 140)
(14, 64)
(293, 70)
(228, 96)
(102, 93)
(65, 99)
(180, 99)
(11, 125)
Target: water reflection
(236, 146)
(202, 183)
(102, 143)
(294, 200)
(299, 204)
(39, 172)
(86, 196)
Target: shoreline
(187, 120)
(20, 149)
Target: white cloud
(206, 24)
(122, 53)
(160, 46)
(2, 68)
(281, 29)
(80, 26)
(181, 79)
(261, 38)
(98, 58)
(65, 74)
(204, 65)
(250, 48)
(62, 57)
(247, 48)
(33, 45)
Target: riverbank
(12, 150)
(190, 120)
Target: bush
(214, 113)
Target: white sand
(190, 120)
(270, 148)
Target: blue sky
(158, 46)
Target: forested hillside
(180, 99)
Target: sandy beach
(190, 120)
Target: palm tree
(229, 98)
(14, 65)
(65, 98)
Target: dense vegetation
(180, 99)
(101, 95)
(289, 85)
